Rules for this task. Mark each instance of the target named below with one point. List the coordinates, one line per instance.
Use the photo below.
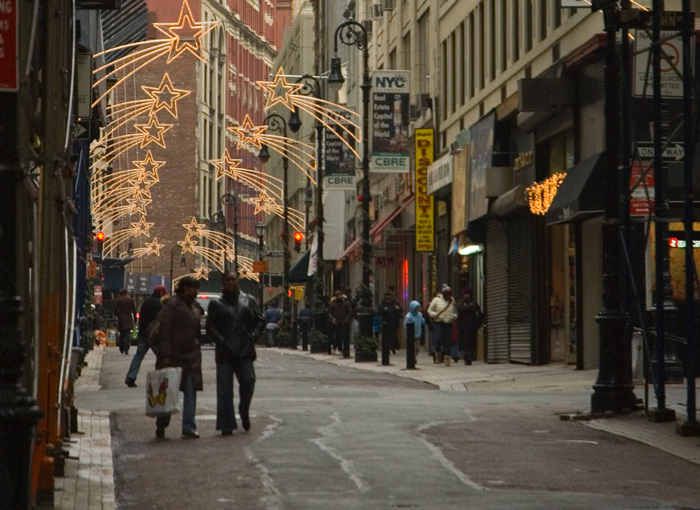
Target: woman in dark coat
(177, 345)
(469, 319)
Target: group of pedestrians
(171, 328)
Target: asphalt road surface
(329, 437)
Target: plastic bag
(163, 391)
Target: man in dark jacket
(149, 310)
(234, 322)
(125, 310)
(340, 313)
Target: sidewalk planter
(365, 349)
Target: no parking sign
(671, 59)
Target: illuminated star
(201, 272)
(153, 247)
(227, 166)
(142, 227)
(230, 254)
(187, 245)
(246, 273)
(165, 96)
(279, 90)
(263, 203)
(185, 34)
(248, 133)
(140, 187)
(138, 205)
(153, 132)
(194, 228)
(149, 168)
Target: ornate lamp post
(276, 123)
(231, 199)
(352, 33)
(183, 263)
(260, 230)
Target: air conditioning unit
(388, 4)
(377, 11)
(413, 112)
(367, 24)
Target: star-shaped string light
(138, 205)
(186, 34)
(263, 203)
(194, 228)
(279, 90)
(227, 166)
(153, 132)
(165, 96)
(201, 272)
(142, 227)
(140, 188)
(187, 245)
(248, 133)
(153, 247)
(149, 167)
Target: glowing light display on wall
(541, 194)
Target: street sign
(98, 294)
(275, 253)
(642, 196)
(673, 151)
(260, 266)
(9, 79)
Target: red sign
(98, 294)
(260, 266)
(8, 45)
(641, 189)
(384, 261)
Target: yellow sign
(260, 266)
(297, 292)
(425, 227)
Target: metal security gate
(496, 306)
(520, 287)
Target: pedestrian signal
(298, 238)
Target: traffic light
(298, 238)
(99, 241)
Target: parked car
(203, 300)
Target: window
(515, 25)
(482, 46)
(492, 39)
(543, 19)
(443, 48)
(406, 52)
(462, 63)
(504, 35)
(528, 25)
(423, 52)
(472, 56)
(453, 71)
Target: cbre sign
(8, 46)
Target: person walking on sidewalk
(272, 324)
(150, 308)
(443, 312)
(340, 313)
(415, 317)
(391, 313)
(234, 322)
(176, 344)
(469, 320)
(125, 310)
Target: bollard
(385, 346)
(410, 346)
(345, 336)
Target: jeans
(442, 332)
(141, 350)
(245, 373)
(189, 405)
(124, 340)
(271, 337)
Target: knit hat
(160, 290)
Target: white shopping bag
(163, 391)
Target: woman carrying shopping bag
(175, 341)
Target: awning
(376, 229)
(581, 194)
(379, 226)
(298, 273)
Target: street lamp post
(276, 123)
(231, 199)
(260, 230)
(320, 312)
(613, 389)
(183, 263)
(352, 33)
